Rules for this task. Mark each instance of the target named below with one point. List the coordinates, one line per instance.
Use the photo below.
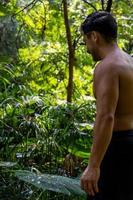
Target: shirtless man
(109, 174)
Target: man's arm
(106, 88)
(106, 85)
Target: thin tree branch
(76, 41)
(102, 2)
(71, 52)
(31, 3)
(85, 1)
(45, 20)
(109, 5)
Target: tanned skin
(113, 90)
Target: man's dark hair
(102, 22)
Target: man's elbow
(107, 117)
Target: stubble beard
(95, 56)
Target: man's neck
(107, 49)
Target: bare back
(124, 110)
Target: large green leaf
(7, 164)
(54, 183)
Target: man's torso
(124, 111)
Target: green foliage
(37, 127)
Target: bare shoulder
(114, 64)
(107, 68)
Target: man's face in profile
(91, 45)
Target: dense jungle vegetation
(47, 108)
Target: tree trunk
(71, 53)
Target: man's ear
(94, 36)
